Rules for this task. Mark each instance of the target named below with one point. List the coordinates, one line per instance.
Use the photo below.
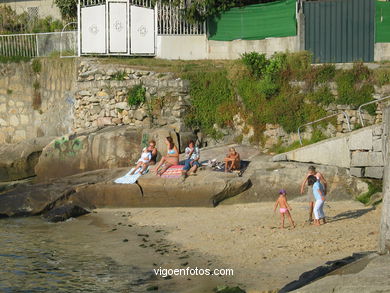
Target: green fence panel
(382, 29)
(340, 30)
(254, 22)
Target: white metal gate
(117, 28)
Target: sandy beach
(246, 238)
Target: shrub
(120, 75)
(382, 76)
(374, 186)
(255, 62)
(36, 65)
(325, 73)
(212, 101)
(322, 96)
(136, 95)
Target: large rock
(375, 277)
(269, 177)
(64, 212)
(109, 147)
(95, 189)
(17, 161)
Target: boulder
(17, 161)
(160, 135)
(108, 147)
(64, 212)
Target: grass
(14, 59)
(374, 186)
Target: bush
(212, 101)
(36, 65)
(382, 76)
(136, 95)
(322, 96)
(374, 186)
(255, 62)
(355, 87)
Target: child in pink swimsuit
(284, 208)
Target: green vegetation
(120, 75)
(355, 86)
(136, 95)
(374, 186)
(11, 22)
(14, 59)
(68, 8)
(36, 65)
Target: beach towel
(220, 167)
(173, 172)
(130, 179)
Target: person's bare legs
(144, 166)
(290, 219)
(311, 207)
(163, 159)
(166, 166)
(281, 221)
(135, 168)
(193, 169)
(316, 222)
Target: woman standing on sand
(319, 195)
(172, 157)
(312, 172)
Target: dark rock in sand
(62, 213)
(17, 161)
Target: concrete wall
(20, 86)
(360, 151)
(233, 49)
(182, 47)
(384, 236)
(198, 47)
(45, 7)
(381, 51)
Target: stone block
(3, 108)
(374, 172)
(361, 140)
(356, 172)
(14, 121)
(377, 145)
(279, 158)
(367, 159)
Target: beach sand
(246, 238)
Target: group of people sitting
(191, 162)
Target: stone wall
(384, 237)
(274, 134)
(102, 98)
(35, 104)
(360, 151)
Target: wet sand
(244, 237)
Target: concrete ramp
(360, 151)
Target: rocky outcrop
(17, 161)
(64, 212)
(368, 278)
(109, 147)
(96, 189)
(268, 177)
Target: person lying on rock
(191, 162)
(232, 160)
(319, 195)
(312, 171)
(172, 157)
(153, 150)
(143, 161)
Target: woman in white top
(143, 162)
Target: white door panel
(118, 27)
(142, 30)
(93, 29)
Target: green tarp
(254, 22)
(382, 30)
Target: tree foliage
(68, 8)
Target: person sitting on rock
(232, 160)
(172, 157)
(191, 162)
(153, 150)
(143, 162)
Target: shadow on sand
(350, 215)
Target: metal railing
(38, 44)
(365, 104)
(321, 119)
